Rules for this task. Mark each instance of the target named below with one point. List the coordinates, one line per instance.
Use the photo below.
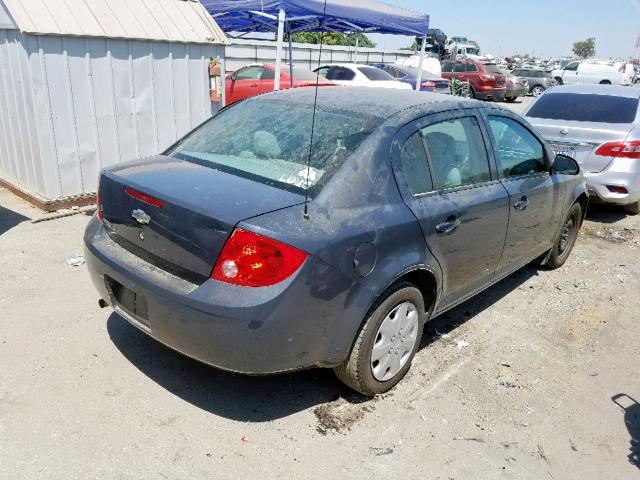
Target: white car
(597, 72)
(352, 74)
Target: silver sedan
(599, 126)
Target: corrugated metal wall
(242, 52)
(70, 106)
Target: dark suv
(486, 80)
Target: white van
(606, 73)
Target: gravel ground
(85, 395)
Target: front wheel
(537, 90)
(566, 240)
(386, 344)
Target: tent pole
(281, 19)
(356, 54)
(290, 61)
(421, 63)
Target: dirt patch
(341, 414)
(611, 234)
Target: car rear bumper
(491, 94)
(299, 323)
(620, 173)
(516, 92)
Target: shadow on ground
(9, 219)
(631, 409)
(605, 213)
(260, 399)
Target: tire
(566, 240)
(605, 82)
(537, 90)
(633, 208)
(511, 99)
(357, 371)
(559, 80)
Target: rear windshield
(268, 141)
(585, 108)
(375, 74)
(490, 68)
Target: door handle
(521, 204)
(449, 226)
(254, 84)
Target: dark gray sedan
(250, 247)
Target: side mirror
(565, 165)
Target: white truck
(594, 71)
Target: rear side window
(459, 68)
(585, 108)
(472, 67)
(337, 73)
(457, 153)
(522, 73)
(415, 165)
(375, 74)
(447, 67)
(519, 152)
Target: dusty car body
(233, 248)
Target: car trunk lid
(177, 214)
(580, 140)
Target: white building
(86, 84)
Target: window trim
(494, 146)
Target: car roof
(369, 101)
(613, 90)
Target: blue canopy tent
(343, 16)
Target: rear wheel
(566, 240)
(559, 80)
(633, 208)
(511, 99)
(386, 344)
(537, 90)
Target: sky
(547, 28)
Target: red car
(486, 80)
(253, 80)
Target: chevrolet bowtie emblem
(141, 217)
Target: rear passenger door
(448, 181)
(534, 194)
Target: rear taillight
(487, 77)
(143, 197)
(252, 260)
(428, 84)
(616, 189)
(620, 149)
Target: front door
(454, 192)
(244, 83)
(533, 193)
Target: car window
(472, 67)
(249, 73)
(519, 152)
(572, 67)
(492, 68)
(268, 74)
(415, 166)
(521, 73)
(447, 67)
(457, 152)
(578, 107)
(245, 141)
(340, 74)
(459, 68)
(375, 74)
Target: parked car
(538, 80)
(429, 82)
(604, 73)
(242, 249)
(599, 126)
(353, 75)
(516, 87)
(256, 79)
(487, 81)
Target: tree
(333, 38)
(586, 48)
